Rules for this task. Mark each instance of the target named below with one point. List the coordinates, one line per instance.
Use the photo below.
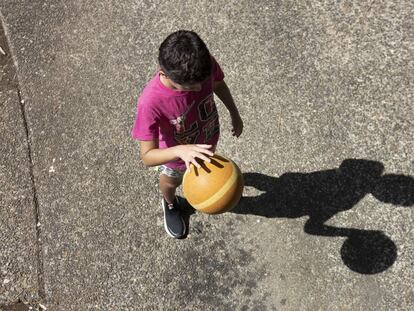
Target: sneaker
(173, 221)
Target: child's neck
(166, 82)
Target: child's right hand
(189, 153)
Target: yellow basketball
(214, 188)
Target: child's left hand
(237, 124)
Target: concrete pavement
(317, 84)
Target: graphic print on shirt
(188, 136)
(208, 113)
(182, 134)
(185, 133)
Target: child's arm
(221, 89)
(151, 155)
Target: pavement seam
(40, 270)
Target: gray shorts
(170, 172)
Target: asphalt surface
(326, 94)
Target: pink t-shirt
(178, 117)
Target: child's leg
(168, 185)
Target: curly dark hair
(184, 58)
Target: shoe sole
(165, 223)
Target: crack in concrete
(40, 270)
(35, 198)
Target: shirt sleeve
(146, 125)
(218, 74)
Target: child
(177, 120)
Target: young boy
(177, 120)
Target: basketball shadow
(322, 194)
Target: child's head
(184, 58)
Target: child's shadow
(320, 195)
